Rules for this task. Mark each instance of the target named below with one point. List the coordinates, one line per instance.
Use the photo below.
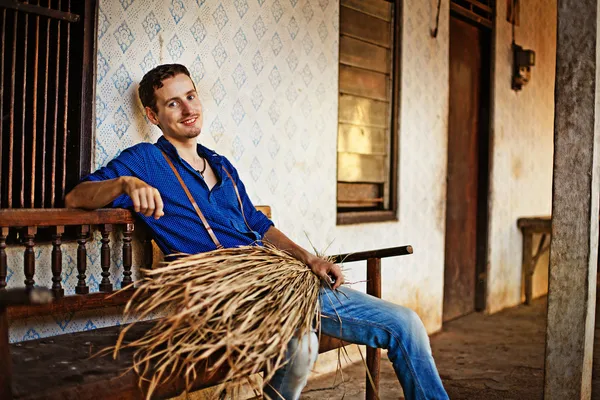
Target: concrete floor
(499, 356)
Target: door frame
(485, 166)
(483, 264)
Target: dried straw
(238, 306)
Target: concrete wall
(521, 177)
(417, 280)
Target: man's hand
(327, 271)
(146, 199)
(323, 269)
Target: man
(141, 178)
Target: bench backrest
(107, 221)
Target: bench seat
(59, 367)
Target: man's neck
(188, 150)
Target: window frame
(88, 87)
(391, 214)
(80, 61)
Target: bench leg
(526, 265)
(5, 361)
(373, 355)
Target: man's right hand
(146, 199)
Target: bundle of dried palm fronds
(239, 307)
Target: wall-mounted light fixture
(523, 60)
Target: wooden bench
(530, 226)
(60, 367)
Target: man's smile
(189, 121)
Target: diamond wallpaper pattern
(267, 73)
(257, 66)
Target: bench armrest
(380, 253)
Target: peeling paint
(517, 168)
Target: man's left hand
(327, 271)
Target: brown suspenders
(210, 231)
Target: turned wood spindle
(82, 287)
(127, 255)
(57, 261)
(105, 285)
(3, 260)
(29, 256)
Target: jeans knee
(304, 356)
(413, 331)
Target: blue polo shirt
(180, 229)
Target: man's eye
(191, 97)
(172, 104)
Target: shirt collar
(171, 151)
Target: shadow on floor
(499, 356)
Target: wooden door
(468, 60)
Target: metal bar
(65, 130)
(23, 113)
(381, 253)
(3, 37)
(45, 131)
(47, 12)
(373, 355)
(55, 131)
(35, 112)
(12, 114)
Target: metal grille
(42, 69)
(479, 11)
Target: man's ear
(151, 115)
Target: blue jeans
(359, 318)
(289, 380)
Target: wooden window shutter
(367, 58)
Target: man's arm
(96, 194)
(323, 269)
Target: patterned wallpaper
(267, 72)
(267, 75)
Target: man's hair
(154, 80)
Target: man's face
(179, 109)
